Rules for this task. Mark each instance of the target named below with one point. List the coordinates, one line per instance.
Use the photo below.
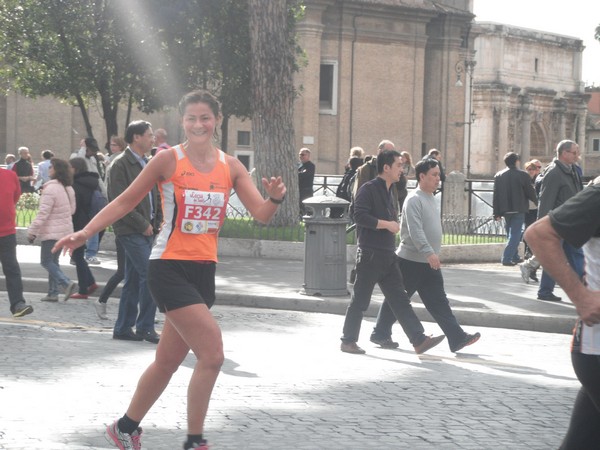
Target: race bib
(203, 212)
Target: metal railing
(470, 229)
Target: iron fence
(457, 229)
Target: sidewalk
(487, 295)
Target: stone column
(503, 141)
(455, 199)
(526, 129)
(561, 110)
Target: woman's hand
(274, 187)
(70, 242)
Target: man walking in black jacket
(377, 225)
(512, 192)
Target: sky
(575, 18)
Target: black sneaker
(22, 309)
(150, 336)
(549, 298)
(469, 339)
(129, 335)
(384, 343)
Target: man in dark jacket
(135, 232)
(512, 192)
(24, 170)
(558, 183)
(368, 171)
(376, 226)
(306, 176)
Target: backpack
(344, 189)
(371, 167)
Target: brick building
(380, 69)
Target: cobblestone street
(285, 385)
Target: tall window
(243, 138)
(328, 87)
(596, 145)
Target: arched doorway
(537, 145)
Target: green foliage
(75, 50)
(146, 53)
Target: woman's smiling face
(199, 122)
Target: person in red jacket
(10, 192)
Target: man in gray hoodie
(418, 258)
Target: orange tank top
(194, 206)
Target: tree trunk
(272, 65)
(84, 114)
(225, 133)
(109, 111)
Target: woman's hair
(119, 141)
(79, 165)
(407, 157)
(200, 96)
(62, 171)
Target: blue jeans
(135, 289)
(11, 270)
(92, 246)
(576, 261)
(49, 261)
(514, 232)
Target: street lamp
(467, 66)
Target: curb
(338, 305)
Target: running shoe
(123, 441)
(201, 446)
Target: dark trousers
(429, 283)
(380, 267)
(117, 277)
(11, 270)
(84, 275)
(584, 428)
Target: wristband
(277, 202)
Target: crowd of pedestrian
(168, 263)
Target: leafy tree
(206, 45)
(272, 68)
(69, 49)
